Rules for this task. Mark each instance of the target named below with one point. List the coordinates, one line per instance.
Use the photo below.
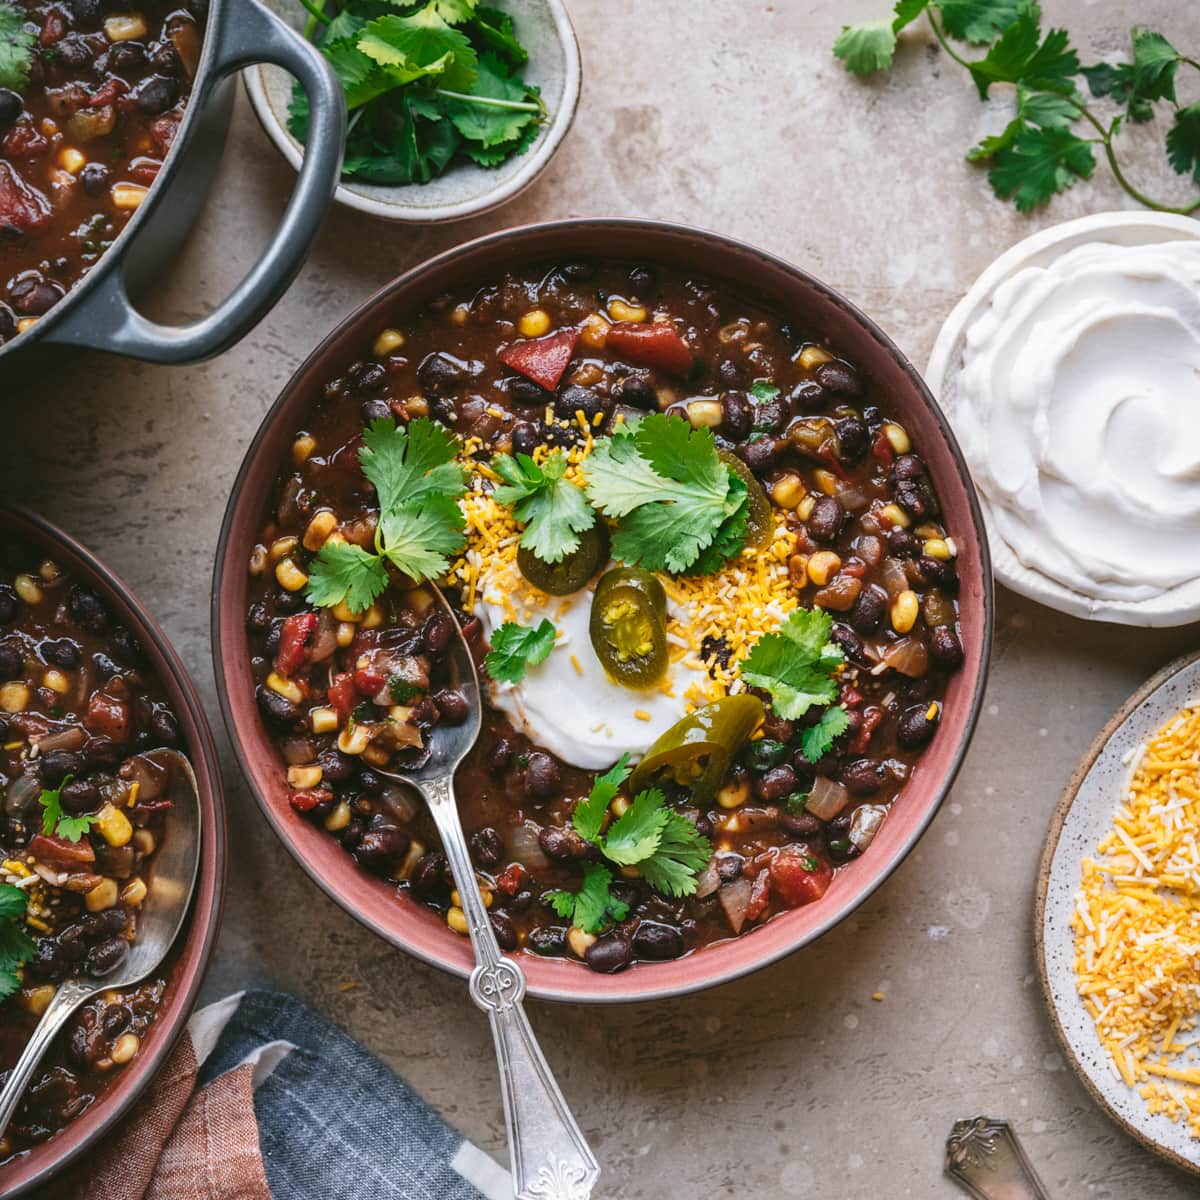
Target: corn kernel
(303, 447)
(345, 633)
(319, 528)
(26, 323)
(354, 741)
(102, 896)
(71, 160)
(593, 333)
(56, 681)
(460, 314)
(134, 892)
(417, 406)
(579, 941)
(303, 779)
(457, 920)
(125, 28)
(373, 617)
(826, 481)
(814, 356)
(323, 720)
(376, 755)
(143, 841)
(905, 608)
(484, 894)
(535, 323)
(734, 794)
(282, 547)
(798, 570)
(416, 852)
(37, 999)
(281, 685)
(805, 507)
(897, 437)
(125, 1048)
(339, 818)
(258, 561)
(937, 548)
(619, 806)
(14, 697)
(127, 195)
(893, 514)
(388, 342)
(343, 612)
(620, 311)
(705, 414)
(28, 589)
(927, 530)
(788, 490)
(822, 566)
(50, 571)
(113, 825)
(289, 576)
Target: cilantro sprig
(515, 648)
(16, 946)
(1040, 153)
(553, 510)
(18, 37)
(55, 821)
(592, 907)
(797, 665)
(427, 83)
(678, 507)
(417, 481)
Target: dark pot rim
(746, 268)
(194, 951)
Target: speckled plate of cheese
(1118, 916)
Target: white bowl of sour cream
(1071, 374)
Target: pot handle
(109, 320)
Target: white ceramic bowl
(1182, 604)
(465, 190)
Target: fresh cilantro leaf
(682, 854)
(515, 648)
(419, 46)
(408, 463)
(491, 124)
(593, 907)
(1183, 141)
(636, 834)
(493, 156)
(668, 489)
(494, 29)
(553, 510)
(731, 536)
(1022, 55)
(797, 665)
(55, 822)
(17, 40)
(455, 12)
(1044, 109)
(907, 11)
(978, 21)
(1039, 163)
(418, 541)
(866, 48)
(589, 813)
(797, 803)
(817, 740)
(16, 946)
(344, 571)
(1155, 63)
(762, 390)
(12, 902)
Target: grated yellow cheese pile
(1137, 927)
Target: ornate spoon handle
(550, 1158)
(984, 1157)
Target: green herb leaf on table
(1183, 141)
(817, 740)
(797, 665)
(976, 21)
(1022, 55)
(593, 907)
(55, 822)
(16, 946)
(516, 648)
(866, 48)
(553, 510)
(1038, 164)
(17, 41)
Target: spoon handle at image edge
(550, 1158)
(984, 1157)
(70, 995)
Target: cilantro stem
(941, 37)
(491, 101)
(316, 13)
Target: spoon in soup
(550, 1158)
(160, 917)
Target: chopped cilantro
(17, 40)
(364, 712)
(797, 803)
(16, 946)
(594, 906)
(401, 691)
(515, 648)
(817, 740)
(553, 510)
(797, 665)
(55, 822)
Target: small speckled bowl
(1084, 815)
(189, 957)
(465, 190)
(813, 306)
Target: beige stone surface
(728, 114)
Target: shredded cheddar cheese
(1137, 927)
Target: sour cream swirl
(1078, 408)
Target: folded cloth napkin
(263, 1099)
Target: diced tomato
(144, 169)
(294, 638)
(110, 90)
(542, 359)
(23, 209)
(882, 449)
(869, 722)
(60, 854)
(109, 717)
(162, 132)
(799, 876)
(304, 802)
(760, 896)
(369, 678)
(656, 345)
(511, 879)
(851, 697)
(23, 141)
(343, 695)
(53, 29)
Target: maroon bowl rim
(36, 1166)
(522, 243)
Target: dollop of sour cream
(1078, 408)
(567, 704)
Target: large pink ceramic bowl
(189, 957)
(815, 307)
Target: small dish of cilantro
(453, 105)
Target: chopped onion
(893, 576)
(826, 799)
(869, 548)
(185, 37)
(735, 900)
(324, 641)
(400, 801)
(524, 847)
(297, 752)
(708, 881)
(865, 823)
(909, 656)
(152, 779)
(852, 499)
(22, 795)
(65, 739)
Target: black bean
(800, 824)
(525, 438)
(851, 644)
(335, 766)
(916, 499)
(12, 661)
(87, 13)
(826, 519)
(542, 775)
(908, 467)
(107, 923)
(8, 604)
(116, 1018)
(80, 796)
(452, 705)
(49, 960)
(853, 438)
(276, 710)
(87, 610)
(759, 453)
(579, 399)
(34, 297)
(125, 57)
(505, 930)
(808, 396)
(95, 178)
(101, 750)
(657, 942)
(869, 609)
(73, 52)
(523, 900)
(106, 956)
(86, 1046)
(429, 875)
(488, 847)
(770, 416)
(165, 58)
(730, 374)
(776, 783)
(937, 572)
(548, 940)
(58, 764)
(609, 954)
(635, 390)
(380, 847)
(374, 408)
(367, 376)
(556, 842)
(736, 417)
(61, 652)
(903, 543)
(839, 378)
(352, 834)
(370, 783)
(643, 281)
(524, 392)
(124, 647)
(945, 648)
(577, 272)
(500, 755)
(916, 726)
(440, 372)
(862, 777)
(729, 866)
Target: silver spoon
(550, 1158)
(984, 1157)
(159, 920)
